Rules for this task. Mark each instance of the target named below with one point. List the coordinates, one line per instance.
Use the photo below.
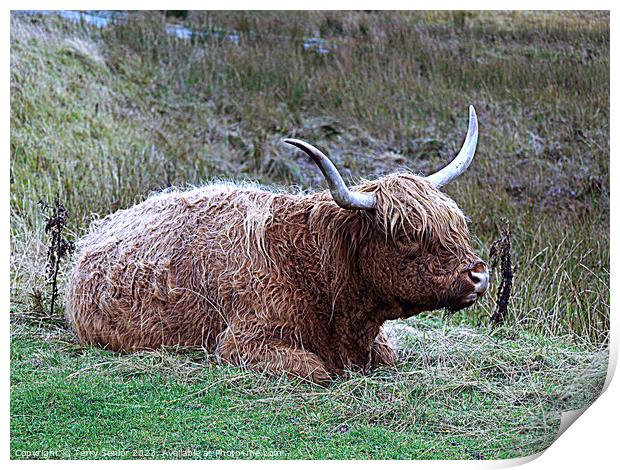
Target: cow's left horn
(464, 157)
(342, 195)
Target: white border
(592, 442)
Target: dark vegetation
(501, 258)
(102, 117)
(58, 246)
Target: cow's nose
(479, 274)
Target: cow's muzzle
(477, 279)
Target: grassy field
(105, 116)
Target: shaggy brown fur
(282, 282)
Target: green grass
(458, 393)
(106, 116)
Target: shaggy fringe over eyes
(409, 208)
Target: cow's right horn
(342, 195)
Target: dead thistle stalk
(500, 255)
(55, 223)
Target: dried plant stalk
(59, 247)
(500, 256)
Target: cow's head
(416, 250)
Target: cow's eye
(408, 261)
(411, 257)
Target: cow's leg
(382, 352)
(274, 356)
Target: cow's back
(158, 273)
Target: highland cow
(287, 283)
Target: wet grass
(104, 116)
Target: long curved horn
(464, 157)
(341, 194)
